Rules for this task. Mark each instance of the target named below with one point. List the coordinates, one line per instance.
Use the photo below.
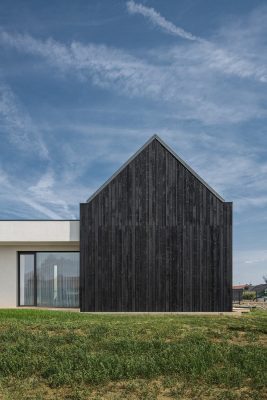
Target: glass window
(50, 279)
(58, 279)
(26, 279)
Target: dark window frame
(35, 276)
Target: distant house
(242, 287)
(259, 289)
(238, 291)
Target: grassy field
(63, 355)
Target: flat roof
(39, 231)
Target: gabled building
(154, 237)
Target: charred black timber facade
(156, 238)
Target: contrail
(160, 21)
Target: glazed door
(27, 279)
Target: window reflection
(57, 279)
(27, 279)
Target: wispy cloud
(216, 57)
(250, 266)
(182, 79)
(159, 20)
(247, 170)
(3, 177)
(257, 260)
(44, 198)
(46, 190)
(18, 125)
(246, 202)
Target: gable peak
(157, 138)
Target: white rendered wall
(39, 231)
(18, 236)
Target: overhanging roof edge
(138, 152)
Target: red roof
(241, 286)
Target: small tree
(249, 295)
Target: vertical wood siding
(156, 239)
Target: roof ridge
(170, 150)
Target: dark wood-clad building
(156, 237)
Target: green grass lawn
(64, 355)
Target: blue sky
(84, 84)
